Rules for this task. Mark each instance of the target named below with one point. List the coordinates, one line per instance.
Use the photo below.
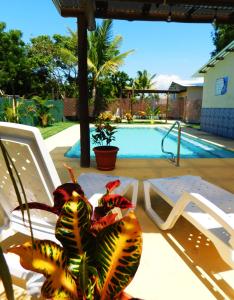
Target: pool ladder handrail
(173, 159)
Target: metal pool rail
(174, 159)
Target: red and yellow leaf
(61, 195)
(103, 222)
(64, 192)
(112, 200)
(73, 230)
(118, 255)
(110, 186)
(48, 258)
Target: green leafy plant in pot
(99, 252)
(105, 153)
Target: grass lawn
(55, 128)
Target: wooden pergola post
(167, 107)
(83, 92)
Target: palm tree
(104, 59)
(144, 81)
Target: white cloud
(163, 81)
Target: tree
(104, 59)
(47, 66)
(144, 81)
(54, 63)
(120, 80)
(14, 68)
(41, 54)
(222, 36)
(67, 61)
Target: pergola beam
(139, 16)
(89, 10)
(188, 2)
(142, 91)
(184, 11)
(146, 8)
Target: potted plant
(99, 253)
(105, 153)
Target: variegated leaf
(61, 195)
(118, 255)
(103, 222)
(110, 201)
(48, 258)
(110, 186)
(73, 230)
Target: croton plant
(99, 252)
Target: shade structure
(197, 11)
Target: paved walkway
(65, 138)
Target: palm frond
(67, 56)
(112, 65)
(91, 66)
(114, 46)
(72, 33)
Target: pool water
(146, 143)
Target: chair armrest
(218, 214)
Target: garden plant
(100, 251)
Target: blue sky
(172, 50)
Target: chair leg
(34, 284)
(171, 219)
(134, 192)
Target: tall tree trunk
(94, 96)
(98, 105)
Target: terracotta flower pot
(105, 157)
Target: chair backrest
(35, 168)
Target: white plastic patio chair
(39, 177)
(207, 206)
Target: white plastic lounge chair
(207, 206)
(39, 177)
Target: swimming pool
(145, 142)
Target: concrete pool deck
(180, 263)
